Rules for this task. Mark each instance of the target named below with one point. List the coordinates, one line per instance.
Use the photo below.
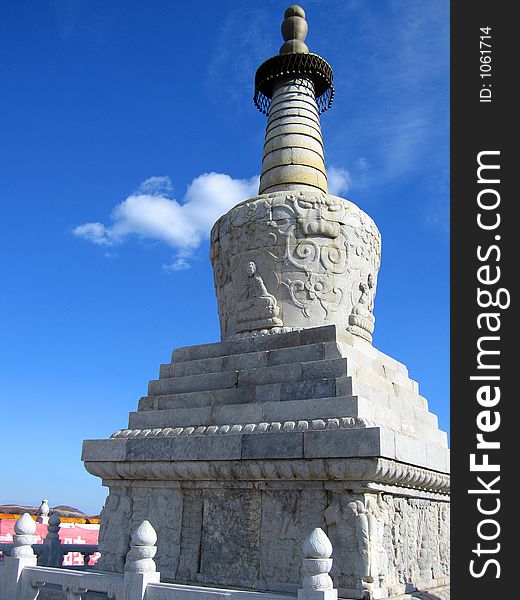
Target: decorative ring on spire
(282, 66)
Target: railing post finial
(22, 555)
(43, 512)
(24, 538)
(142, 550)
(316, 565)
(140, 567)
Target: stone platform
(241, 447)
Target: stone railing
(51, 551)
(22, 579)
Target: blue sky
(137, 117)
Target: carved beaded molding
(313, 251)
(379, 470)
(264, 427)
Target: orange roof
(92, 521)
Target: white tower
(294, 421)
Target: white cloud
(180, 263)
(95, 233)
(157, 186)
(150, 213)
(338, 180)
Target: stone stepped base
(257, 440)
(276, 380)
(324, 393)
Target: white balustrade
(22, 579)
(51, 551)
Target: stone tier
(241, 446)
(315, 393)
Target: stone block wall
(249, 534)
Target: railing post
(52, 552)
(43, 512)
(316, 565)
(22, 555)
(140, 567)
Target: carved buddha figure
(361, 320)
(362, 533)
(258, 309)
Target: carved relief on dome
(312, 250)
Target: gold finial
(294, 30)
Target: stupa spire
(294, 30)
(293, 88)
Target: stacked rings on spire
(293, 88)
(293, 150)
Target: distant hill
(61, 510)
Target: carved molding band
(274, 426)
(353, 469)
